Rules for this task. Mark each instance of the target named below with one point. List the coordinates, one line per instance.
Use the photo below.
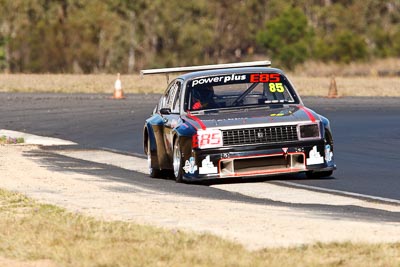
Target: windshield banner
(237, 78)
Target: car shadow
(243, 180)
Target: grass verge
(33, 232)
(9, 140)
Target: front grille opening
(263, 135)
(260, 165)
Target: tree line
(87, 36)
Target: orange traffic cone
(333, 92)
(118, 93)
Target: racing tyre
(178, 162)
(153, 172)
(314, 175)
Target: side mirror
(165, 111)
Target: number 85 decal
(276, 87)
(209, 138)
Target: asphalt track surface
(366, 133)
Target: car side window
(171, 97)
(161, 103)
(176, 101)
(164, 100)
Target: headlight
(309, 131)
(208, 138)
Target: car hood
(243, 117)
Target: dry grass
(378, 78)
(389, 67)
(104, 83)
(31, 232)
(356, 86)
(77, 83)
(71, 83)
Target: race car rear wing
(207, 67)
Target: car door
(170, 114)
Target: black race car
(235, 120)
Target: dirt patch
(256, 226)
(16, 263)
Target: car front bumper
(253, 161)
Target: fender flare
(148, 134)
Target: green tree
(349, 47)
(125, 35)
(13, 19)
(287, 37)
(3, 62)
(343, 46)
(396, 42)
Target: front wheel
(178, 162)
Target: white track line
(340, 192)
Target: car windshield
(238, 90)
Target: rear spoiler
(206, 67)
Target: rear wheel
(178, 162)
(153, 172)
